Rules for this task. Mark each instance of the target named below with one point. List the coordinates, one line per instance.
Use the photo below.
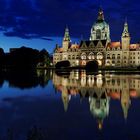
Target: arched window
(98, 34)
(91, 56)
(99, 55)
(108, 56)
(113, 56)
(118, 56)
(83, 56)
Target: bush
(92, 66)
(62, 64)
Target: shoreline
(100, 70)
(103, 69)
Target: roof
(114, 44)
(74, 46)
(95, 42)
(59, 50)
(134, 46)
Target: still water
(69, 106)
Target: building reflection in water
(100, 89)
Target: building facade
(99, 48)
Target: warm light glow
(99, 62)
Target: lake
(69, 105)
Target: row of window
(134, 57)
(134, 53)
(134, 62)
(113, 56)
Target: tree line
(24, 58)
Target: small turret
(125, 37)
(100, 15)
(66, 40)
(66, 35)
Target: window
(118, 56)
(98, 34)
(77, 57)
(113, 62)
(99, 55)
(113, 56)
(108, 56)
(83, 56)
(91, 56)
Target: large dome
(100, 29)
(101, 25)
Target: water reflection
(25, 79)
(99, 89)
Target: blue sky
(40, 23)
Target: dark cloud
(45, 38)
(38, 18)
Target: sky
(41, 23)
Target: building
(99, 48)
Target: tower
(125, 37)
(66, 40)
(100, 29)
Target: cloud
(38, 18)
(46, 38)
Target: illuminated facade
(99, 48)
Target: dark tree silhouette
(10, 135)
(35, 134)
(62, 64)
(92, 66)
(44, 58)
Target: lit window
(83, 56)
(91, 56)
(99, 56)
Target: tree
(35, 134)
(44, 58)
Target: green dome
(100, 25)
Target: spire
(125, 108)
(65, 98)
(125, 30)
(125, 103)
(100, 15)
(100, 124)
(66, 35)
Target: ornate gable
(91, 45)
(100, 45)
(83, 45)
